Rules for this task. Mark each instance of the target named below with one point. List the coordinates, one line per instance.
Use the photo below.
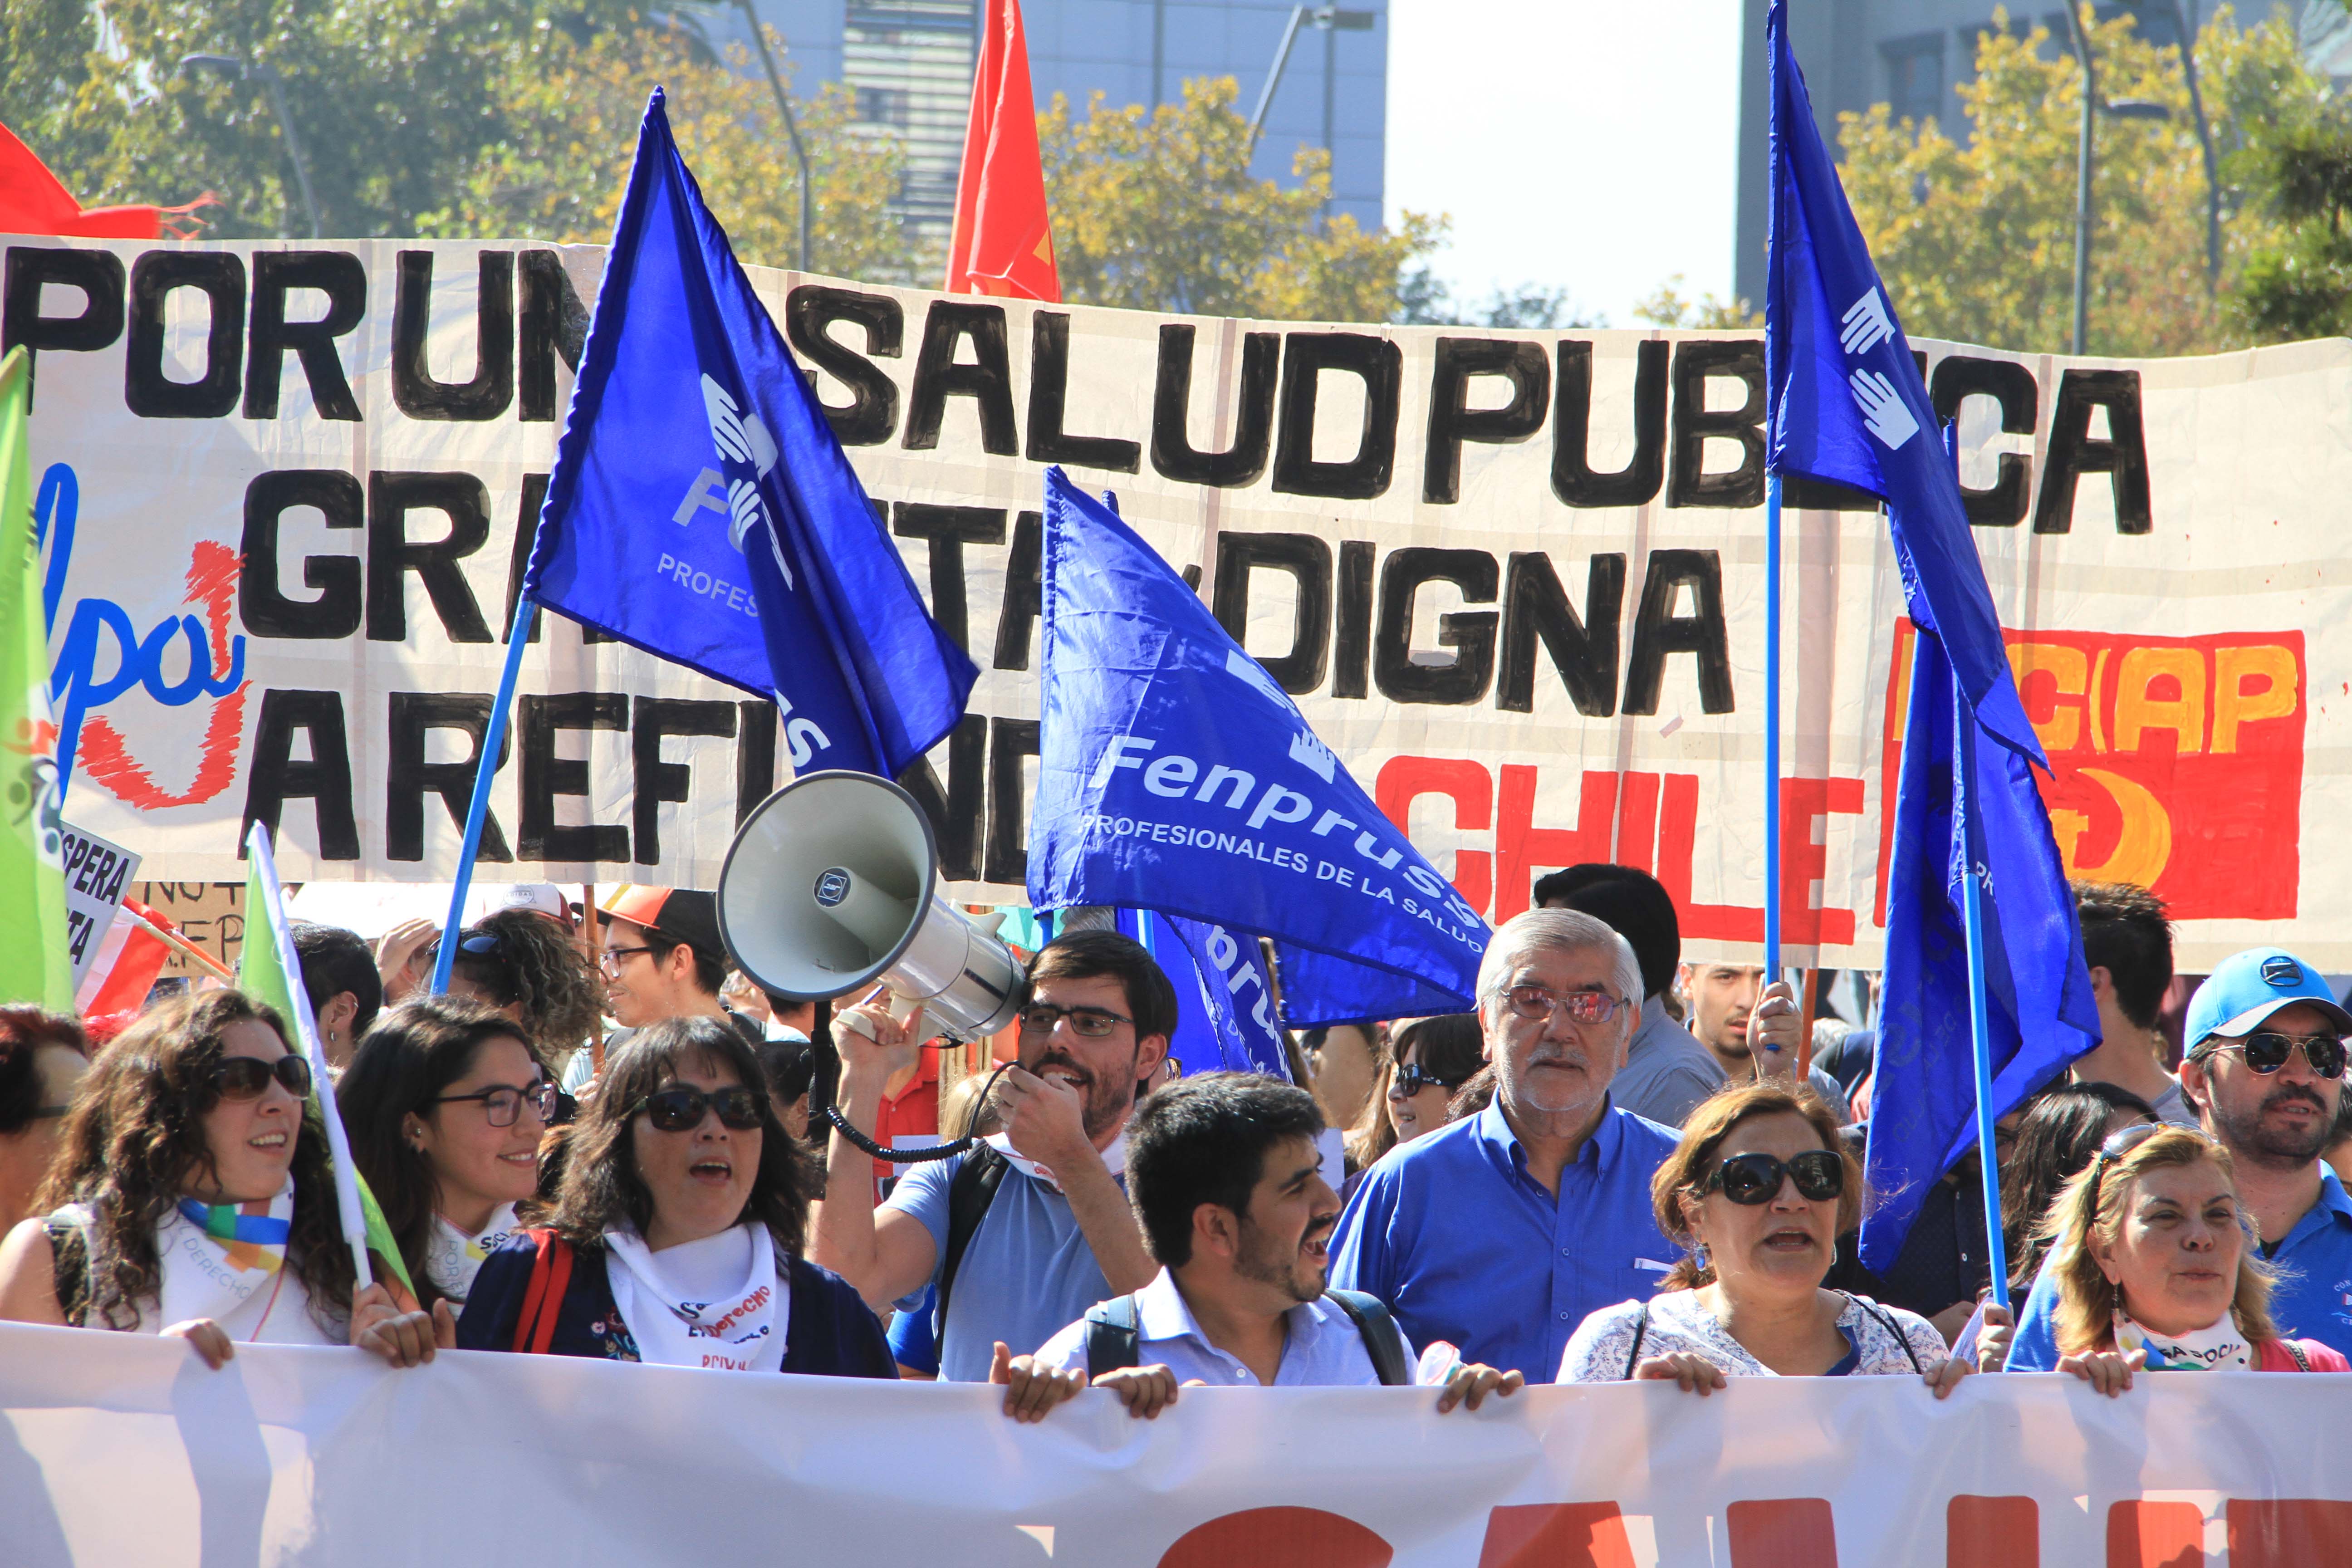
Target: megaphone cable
(934, 1152)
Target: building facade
(910, 62)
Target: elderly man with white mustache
(1499, 1234)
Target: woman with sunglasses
(677, 1233)
(2157, 1268)
(444, 1103)
(1422, 1061)
(1757, 1192)
(193, 1198)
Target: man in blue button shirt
(1499, 1234)
(2273, 1113)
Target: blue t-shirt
(1026, 1274)
(2312, 1300)
(1466, 1247)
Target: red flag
(1002, 242)
(35, 201)
(129, 962)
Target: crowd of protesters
(1621, 1165)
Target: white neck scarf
(453, 1259)
(1114, 1159)
(679, 1316)
(2221, 1348)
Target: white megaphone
(832, 884)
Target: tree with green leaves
(2300, 286)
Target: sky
(1584, 145)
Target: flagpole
(1772, 728)
(486, 768)
(322, 1082)
(1979, 1027)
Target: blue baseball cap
(2247, 987)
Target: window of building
(1915, 77)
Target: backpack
(978, 1174)
(1114, 1333)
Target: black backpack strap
(1384, 1341)
(1891, 1327)
(1640, 1333)
(971, 1190)
(70, 1255)
(2294, 1348)
(1114, 1331)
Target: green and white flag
(34, 964)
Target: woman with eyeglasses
(2158, 1267)
(1756, 1193)
(677, 1232)
(193, 1198)
(445, 1104)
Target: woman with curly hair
(678, 1229)
(445, 1104)
(192, 1198)
(527, 967)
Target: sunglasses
(249, 1078)
(2266, 1051)
(1094, 1023)
(1534, 1002)
(503, 1106)
(1755, 1179)
(682, 1110)
(1412, 1078)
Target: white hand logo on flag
(1883, 408)
(1865, 325)
(740, 440)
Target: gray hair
(1570, 930)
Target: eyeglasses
(1412, 1078)
(1093, 1023)
(609, 959)
(2266, 1051)
(682, 1110)
(503, 1103)
(1755, 1179)
(247, 1078)
(1534, 1002)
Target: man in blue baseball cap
(2264, 1069)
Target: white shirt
(1325, 1349)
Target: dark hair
(537, 966)
(335, 961)
(2059, 1132)
(1085, 954)
(24, 1032)
(2128, 932)
(135, 1136)
(1684, 1175)
(790, 1068)
(1473, 1097)
(600, 1187)
(709, 972)
(1204, 1141)
(1451, 1045)
(407, 1058)
(1633, 904)
(1372, 1136)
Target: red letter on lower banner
(2156, 1535)
(2289, 1532)
(1278, 1538)
(1992, 1532)
(1557, 1535)
(1784, 1533)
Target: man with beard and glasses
(1228, 1183)
(2265, 1072)
(1030, 1227)
(1502, 1232)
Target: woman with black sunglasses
(677, 1233)
(444, 1103)
(192, 1198)
(1756, 1193)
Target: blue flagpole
(494, 735)
(1980, 1028)
(1772, 729)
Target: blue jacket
(830, 1332)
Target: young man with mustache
(2264, 1071)
(1228, 1183)
(1053, 1232)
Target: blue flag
(701, 509)
(1846, 403)
(1175, 775)
(1225, 1020)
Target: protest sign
(1514, 579)
(209, 914)
(122, 1448)
(95, 874)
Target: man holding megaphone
(1025, 1231)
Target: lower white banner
(117, 1449)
